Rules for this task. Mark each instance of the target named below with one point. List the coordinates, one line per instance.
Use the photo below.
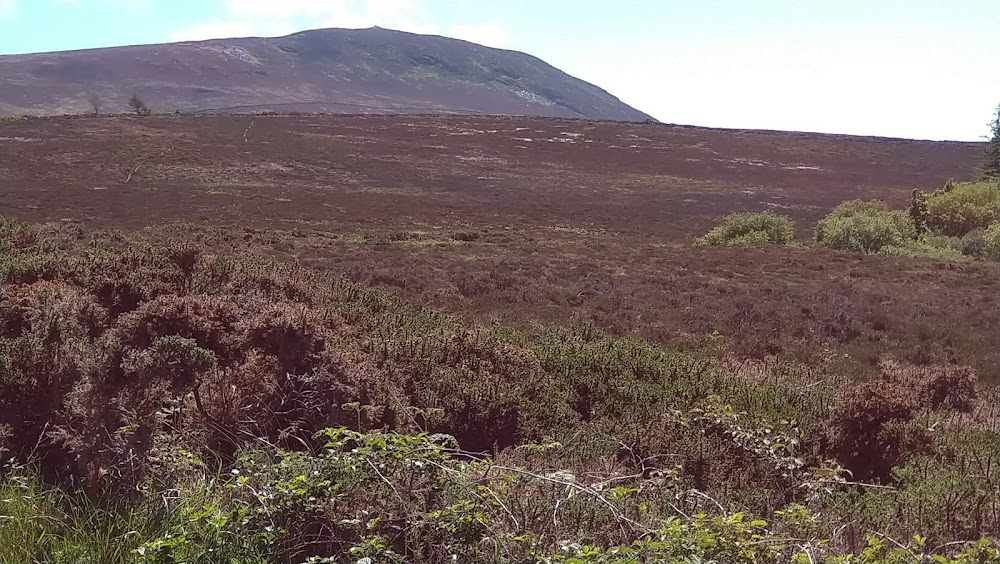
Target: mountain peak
(321, 70)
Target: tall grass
(39, 523)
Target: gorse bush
(865, 227)
(750, 229)
(963, 207)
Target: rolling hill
(330, 70)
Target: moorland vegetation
(177, 395)
(164, 403)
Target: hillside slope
(329, 70)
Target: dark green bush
(750, 229)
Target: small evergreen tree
(991, 162)
(139, 105)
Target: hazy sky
(909, 68)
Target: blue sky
(909, 68)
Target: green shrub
(963, 207)
(16, 235)
(852, 208)
(991, 242)
(751, 239)
(865, 227)
(750, 229)
(974, 243)
(942, 242)
(931, 246)
(920, 248)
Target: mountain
(327, 70)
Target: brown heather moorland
(193, 293)
(537, 221)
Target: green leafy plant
(991, 242)
(750, 229)
(930, 246)
(962, 207)
(865, 227)
(973, 243)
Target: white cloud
(8, 9)
(353, 12)
(131, 6)
(489, 34)
(218, 29)
(868, 86)
(280, 17)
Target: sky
(926, 69)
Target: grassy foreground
(160, 403)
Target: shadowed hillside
(329, 70)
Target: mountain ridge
(373, 70)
